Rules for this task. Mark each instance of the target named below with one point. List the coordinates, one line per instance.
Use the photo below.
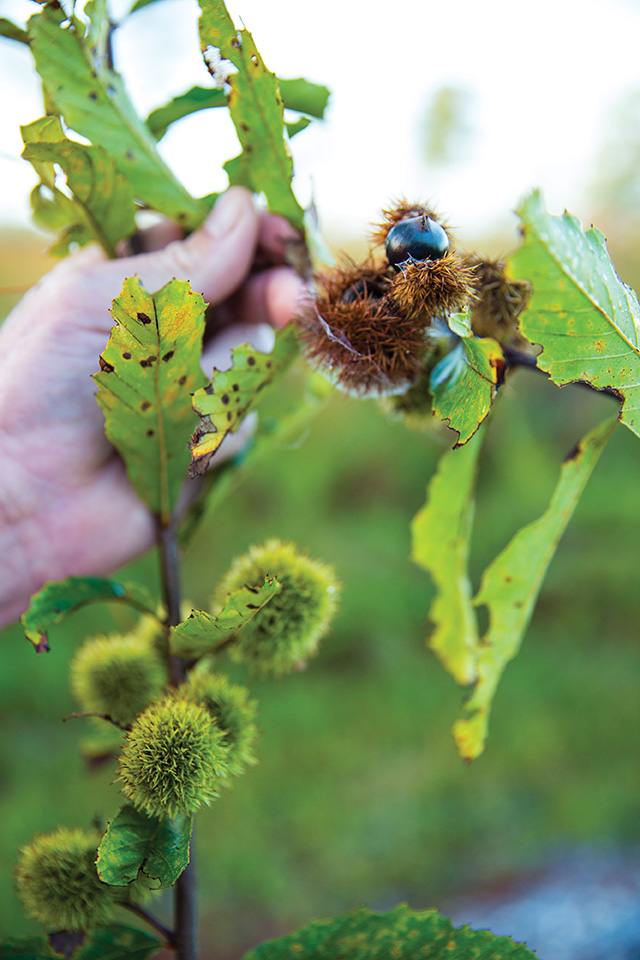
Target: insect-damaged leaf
(135, 841)
(56, 600)
(201, 631)
(441, 532)
(102, 208)
(586, 319)
(256, 109)
(511, 583)
(299, 95)
(113, 942)
(149, 369)
(403, 932)
(74, 64)
(464, 383)
(233, 393)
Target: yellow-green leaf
(511, 583)
(403, 933)
(584, 317)
(149, 369)
(201, 632)
(464, 383)
(103, 208)
(233, 393)
(441, 532)
(256, 109)
(73, 63)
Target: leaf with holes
(233, 393)
(57, 600)
(74, 64)
(201, 631)
(102, 208)
(149, 369)
(511, 583)
(403, 932)
(441, 532)
(584, 317)
(464, 383)
(256, 108)
(134, 842)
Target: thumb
(215, 259)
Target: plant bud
(287, 631)
(231, 708)
(117, 675)
(173, 759)
(58, 884)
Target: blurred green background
(360, 796)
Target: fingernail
(229, 209)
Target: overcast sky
(538, 83)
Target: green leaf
(256, 109)
(135, 841)
(305, 97)
(57, 600)
(233, 393)
(140, 4)
(12, 31)
(149, 369)
(584, 317)
(200, 633)
(197, 98)
(511, 583)
(113, 942)
(104, 208)
(441, 532)
(465, 382)
(74, 66)
(300, 95)
(404, 933)
(297, 126)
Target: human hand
(66, 505)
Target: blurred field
(360, 796)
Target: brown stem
(101, 716)
(185, 937)
(168, 935)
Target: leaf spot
(93, 95)
(145, 405)
(126, 356)
(168, 355)
(235, 387)
(149, 360)
(105, 367)
(251, 361)
(225, 398)
(229, 415)
(150, 433)
(182, 381)
(143, 318)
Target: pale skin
(66, 505)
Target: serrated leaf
(74, 66)
(103, 204)
(511, 583)
(305, 97)
(201, 631)
(134, 842)
(464, 383)
(233, 393)
(12, 31)
(256, 108)
(404, 933)
(57, 600)
(149, 369)
(441, 532)
(113, 942)
(584, 317)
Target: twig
(101, 716)
(185, 937)
(168, 935)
